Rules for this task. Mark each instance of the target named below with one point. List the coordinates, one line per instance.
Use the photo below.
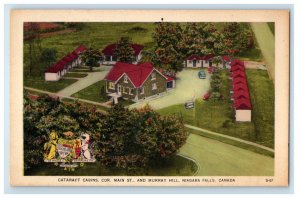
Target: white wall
(243, 115)
(52, 77)
(198, 63)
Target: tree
(48, 56)
(168, 49)
(124, 51)
(238, 38)
(134, 139)
(32, 38)
(91, 57)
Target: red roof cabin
(111, 59)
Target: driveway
(82, 83)
(266, 42)
(188, 85)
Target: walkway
(266, 42)
(230, 137)
(82, 83)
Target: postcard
(149, 97)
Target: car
(201, 74)
(189, 104)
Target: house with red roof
(109, 53)
(226, 61)
(195, 61)
(240, 92)
(136, 81)
(60, 68)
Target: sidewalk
(229, 137)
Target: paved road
(90, 79)
(215, 158)
(188, 85)
(266, 42)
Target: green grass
(75, 75)
(262, 99)
(93, 92)
(215, 116)
(232, 142)
(55, 86)
(272, 27)
(176, 166)
(216, 158)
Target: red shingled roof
(238, 73)
(237, 67)
(241, 94)
(110, 49)
(242, 104)
(79, 49)
(136, 73)
(226, 58)
(60, 65)
(196, 57)
(237, 62)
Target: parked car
(189, 104)
(201, 74)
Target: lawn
(93, 92)
(262, 99)
(272, 27)
(75, 75)
(218, 116)
(176, 166)
(216, 158)
(41, 84)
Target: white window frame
(124, 90)
(130, 91)
(111, 85)
(154, 86)
(142, 90)
(125, 79)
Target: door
(194, 63)
(119, 89)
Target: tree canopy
(124, 51)
(91, 57)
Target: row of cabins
(240, 92)
(195, 61)
(137, 82)
(60, 68)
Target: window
(142, 90)
(198, 61)
(153, 76)
(154, 86)
(125, 89)
(190, 61)
(130, 91)
(125, 79)
(111, 85)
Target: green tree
(48, 56)
(136, 138)
(33, 40)
(237, 37)
(91, 57)
(124, 52)
(168, 49)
